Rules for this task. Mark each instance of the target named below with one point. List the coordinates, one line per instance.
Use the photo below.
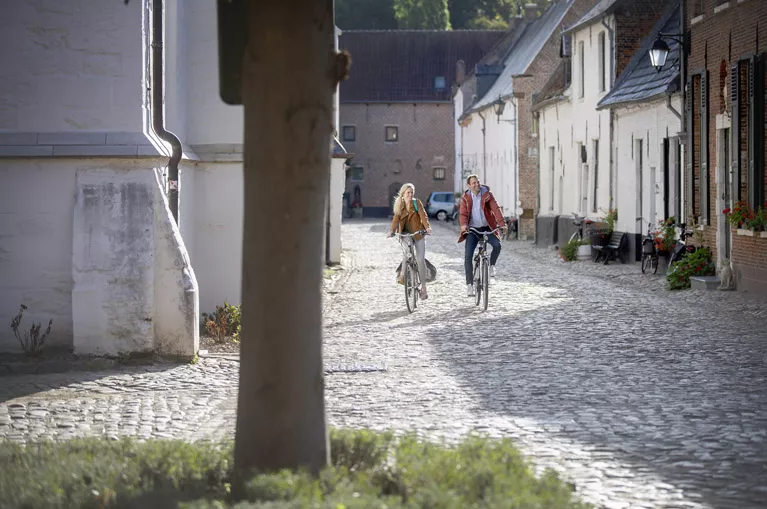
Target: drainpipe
(516, 167)
(611, 34)
(484, 148)
(671, 108)
(158, 120)
(613, 169)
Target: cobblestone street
(640, 396)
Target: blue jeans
(471, 244)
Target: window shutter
(755, 133)
(689, 186)
(703, 126)
(735, 132)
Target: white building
(86, 235)
(581, 158)
(646, 107)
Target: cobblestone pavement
(640, 396)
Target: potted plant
(745, 219)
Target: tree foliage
(422, 14)
(365, 15)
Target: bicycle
(649, 252)
(481, 267)
(412, 277)
(579, 221)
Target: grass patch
(370, 470)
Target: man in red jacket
(479, 210)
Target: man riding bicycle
(479, 210)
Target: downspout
(158, 120)
(484, 148)
(671, 108)
(516, 166)
(613, 169)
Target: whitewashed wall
(494, 161)
(649, 122)
(555, 128)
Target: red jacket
(493, 214)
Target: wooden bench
(613, 250)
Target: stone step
(704, 282)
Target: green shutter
(735, 132)
(689, 184)
(703, 126)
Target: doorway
(725, 192)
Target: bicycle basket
(647, 246)
(431, 271)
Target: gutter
(158, 119)
(671, 108)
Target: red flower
(726, 211)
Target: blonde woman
(410, 217)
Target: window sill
(720, 8)
(751, 233)
(697, 19)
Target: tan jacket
(411, 221)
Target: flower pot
(584, 252)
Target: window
(595, 164)
(350, 133)
(582, 77)
(439, 83)
(535, 125)
(439, 173)
(601, 45)
(392, 133)
(356, 173)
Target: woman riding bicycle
(410, 217)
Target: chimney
(516, 22)
(531, 12)
(460, 72)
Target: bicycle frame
(480, 264)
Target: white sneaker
(492, 271)
(470, 291)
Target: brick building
(725, 117)
(396, 112)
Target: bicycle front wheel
(411, 293)
(655, 264)
(645, 263)
(485, 283)
(477, 283)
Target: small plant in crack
(33, 341)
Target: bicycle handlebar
(477, 232)
(419, 232)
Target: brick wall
(426, 141)
(633, 21)
(718, 41)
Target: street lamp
(660, 50)
(499, 105)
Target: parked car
(441, 205)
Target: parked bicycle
(682, 248)
(412, 277)
(481, 267)
(579, 221)
(649, 251)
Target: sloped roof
(601, 8)
(555, 86)
(640, 81)
(401, 65)
(522, 53)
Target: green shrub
(570, 251)
(370, 470)
(698, 263)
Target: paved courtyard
(640, 396)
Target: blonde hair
(399, 200)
